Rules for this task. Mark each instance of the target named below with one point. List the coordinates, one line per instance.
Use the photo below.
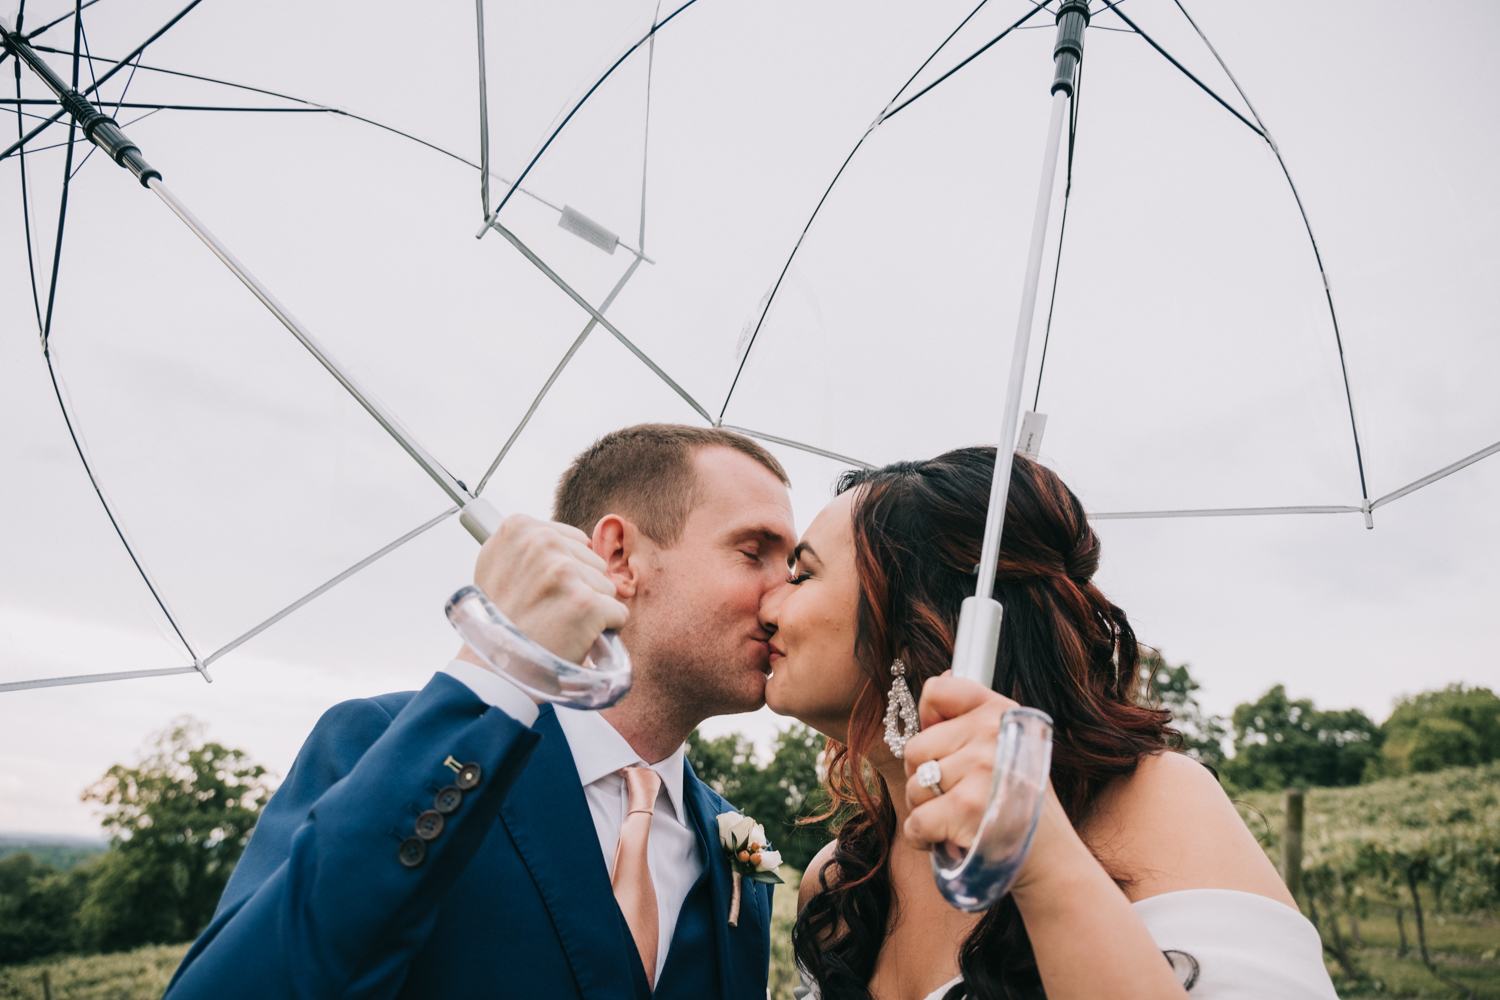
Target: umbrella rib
(179, 107)
(943, 45)
(891, 112)
(46, 331)
(646, 124)
(1338, 336)
(1224, 512)
(319, 591)
(547, 387)
(1258, 130)
(657, 26)
(557, 279)
(884, 115)
(1445, 471)
(52, 24)
(484, 113)
(312, 106)
(36, 300)
(788, 442)
(619, 285)
(62, 207)
(119, 675)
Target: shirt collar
(599, 751)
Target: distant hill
(61, 851)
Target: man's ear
(619, 543)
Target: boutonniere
(750, 856)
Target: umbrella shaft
(100, 129)
(1000, 486)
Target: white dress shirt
(599, 752)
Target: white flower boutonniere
(750, 856)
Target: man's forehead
(737, 495)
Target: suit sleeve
(336, 892)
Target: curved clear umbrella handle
(601, 683)
(976, 880)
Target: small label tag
(587, 229)
(1030, 443)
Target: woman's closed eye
(797, 578)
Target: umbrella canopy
(806, 221)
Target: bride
(1142, 880)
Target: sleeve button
(448, 800)
(430, 824)
(469, 777)
(412, 852)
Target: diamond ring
(930, 775)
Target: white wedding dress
(1227, 945)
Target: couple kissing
(464, 840)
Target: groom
(460, 841)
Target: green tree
(777, 795)
(1454, 726)
(37, 908)
(1173, 688)
(178, 822)
(1279, 742)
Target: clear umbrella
(807, 222)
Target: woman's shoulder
(1169, 827)
(819, 875)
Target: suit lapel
(703, 807)
(548, 818)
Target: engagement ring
(930, 775)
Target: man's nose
(770, 604)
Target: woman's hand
(960, 728)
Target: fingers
(953, 816)
(949, 737)
(948, 697)
(544, 577)
(612, 613)
(973, 756)
(961, 727)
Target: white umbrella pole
(975, 879)
(979, 622)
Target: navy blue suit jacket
(512, 898)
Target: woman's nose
(770, 606)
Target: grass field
(1464, 948)
(142, 974)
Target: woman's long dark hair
(1064, 648)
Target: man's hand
(543, 576)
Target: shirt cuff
(495, 690)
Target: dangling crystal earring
(900, 706)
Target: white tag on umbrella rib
(587, 229)
(1030, 443)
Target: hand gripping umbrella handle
(977, 879)
(602, 681)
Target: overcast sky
(1191, 361)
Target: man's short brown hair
(645, 473)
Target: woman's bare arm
(1169, 826)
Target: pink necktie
(632, 879)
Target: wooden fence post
(1291, 842)
(46, 985)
